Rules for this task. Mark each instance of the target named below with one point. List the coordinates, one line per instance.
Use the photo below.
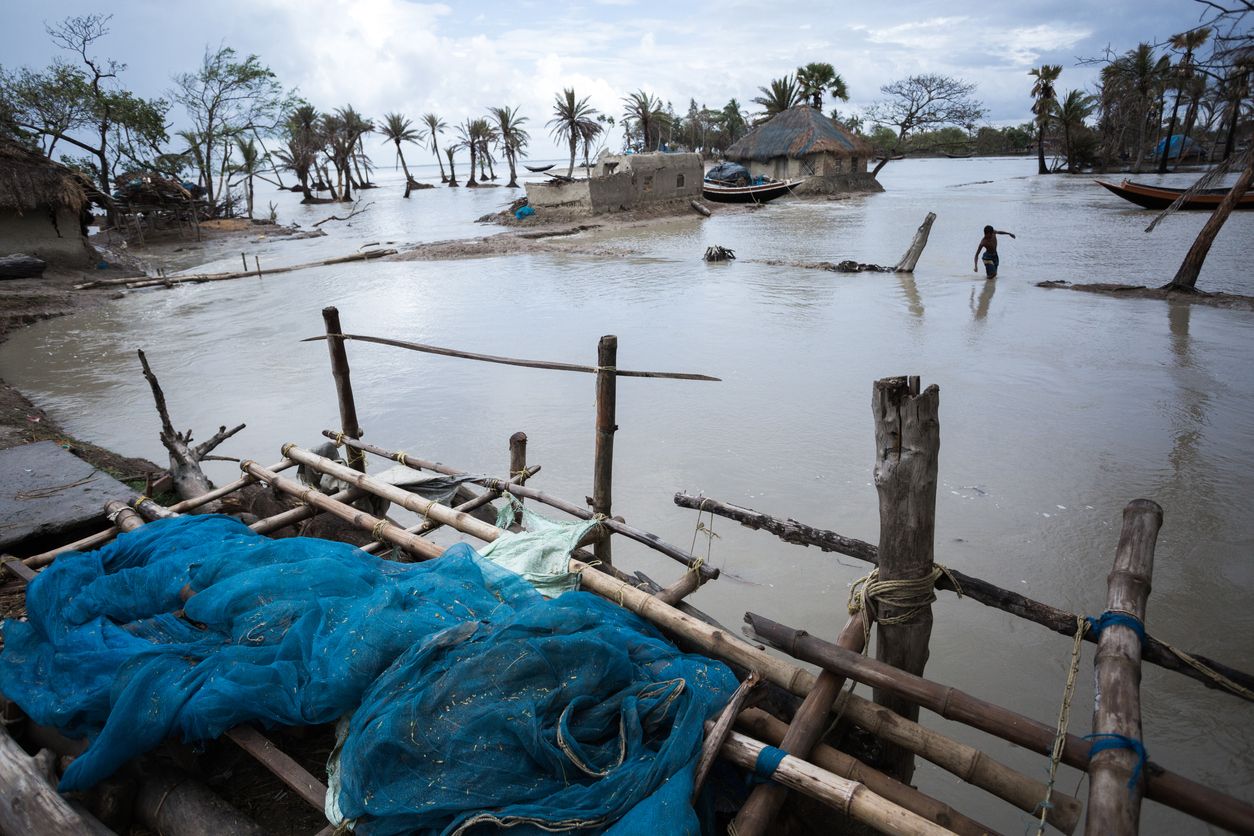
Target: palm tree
(435, 125)
(1140, 73)
(1042, 107)
(486, 132)
(782, 94)
(733, 121)
(251, 162)
(1074, 108)
(397, 129)
(817, 78)
(1189, 42)
(449, 151)
(647, 112)
(511, 137)
(343, 131)
(588, 132)
(468, 133)
(572, 119)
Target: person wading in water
(989, 245)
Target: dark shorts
(990, 263)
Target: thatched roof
(795, 133)
(29, 180)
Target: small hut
(41, 208)
(802, 142)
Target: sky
(458, 59)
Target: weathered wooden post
(343, 385)
(911, 257)
(1116, 766)
(907, 448)
(517, 464)
(603, 464)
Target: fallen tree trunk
(28, 802)
(174, 803)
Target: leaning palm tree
(1189, 42)
(782, 94)
(511, 138)
(397, 129)
(572, 119)
(818, 78)
(1043, 106)
(1072, 110)
(646, 111)
(435, 125)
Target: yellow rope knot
(377, 531)
(427, 510)
(910, 595)
(244, 465)
(286, 448)
(339, 439)
(401, 458)
(140, 500)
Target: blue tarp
(1191, 148)
(729, 173)
(472, 697)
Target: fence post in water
(603, 464)
(343, 385)
(517, 463)
(1117, 774)
(907, 448)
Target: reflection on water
(1066, 407)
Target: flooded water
(1057, 408)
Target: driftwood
(716, 732)
(717, 253)
(700, 208)
(1060, 621)
(1164, 786)
(28, 801)
(355, 211)
(171, 281)
(1117, 776)
(907, 447)
(911, 257)
(190, 480)
(174, 803)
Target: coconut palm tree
(511, 137)
(782, 94)
(817, 78)
(1043, 106)
(397, 129)
(572, 119)
(250, 163)
(588, 132)
(470, 133)
(647, 112)
(1189, 42)
(1140, 75)
(343, 130)
(1072, 110)
(733, 121)
(486, 132)
(435, 126)
(449, 151)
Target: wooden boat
(539, 168)
(958, 156)
(1160, 197)
(761, 193)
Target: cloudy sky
(457, 59)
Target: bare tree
(927, 101)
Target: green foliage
(817, 78)
(574, 121)
(645, 118)
(778, 96)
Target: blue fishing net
(474, 699)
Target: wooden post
(1117, 777)
(907, 445)
(517, 462)
(343, 386)
(244, 259)
(603, 464)
(257, 262)
(807, 727)
(911, 258)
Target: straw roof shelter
(802, 142)
(41, 207)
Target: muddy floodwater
(1057, 407)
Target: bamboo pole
(281, 765)
(806, 729)
(382, 529)
(343, 385)
(517, 463)
(603, 461)
(1060, 621)
(716, 733)
(1117, 776)
(849, 797)
(761, 725)
(170, 281)
(1163, 786)
(513, 361)
(303, 512)
(617, 526)
(907, 445)
(967, 762)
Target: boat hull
(747, 194)
(1159, 197)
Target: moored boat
(539, 168)
(753, 193)
(1160, 197)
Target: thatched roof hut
(42, 204)
(802, 142)
(29, 181)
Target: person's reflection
(986, 296)
(913, 300)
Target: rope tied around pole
(611, 369)
(1123, 619)
(1109, 740)
(767, 762)
(140, 500)
(1064, 718)
(425, 512)
(401, 458)
(708, 531)
(908, 594)
(376, 532)
(339, 438)
(286, 449)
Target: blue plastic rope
(1123, 619)
(1103, 742)
(768, 761)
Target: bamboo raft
(791, 719)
